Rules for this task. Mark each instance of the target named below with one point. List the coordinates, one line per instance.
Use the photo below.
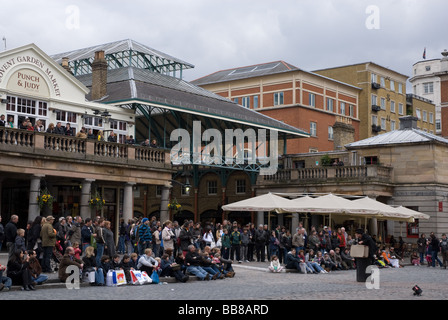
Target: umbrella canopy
(266, 202)
(385, 212)
(413, 213)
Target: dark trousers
(259, 248)
(47, 253)
(235, 248)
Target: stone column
(33, 206)
(164, 214)
(260, 218)
(128, 201)
(294, 222)
(84, 210)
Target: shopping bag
(155, 277)
(137, 277)
(146, 277)
(111, 280)
(359, 251)
(120, 276)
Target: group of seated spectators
(205, 265)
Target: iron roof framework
(125, 53)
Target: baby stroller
(56, 256)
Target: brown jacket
(66, 261)
(48, 235)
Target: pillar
(85, 210)
(164, 214)
(294, 222)
(33, 206)
(128, 201)
(260, 218)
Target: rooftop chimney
(408, 122)
(65, 65)
(444, 61)
(99, 76)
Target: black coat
(10, 232)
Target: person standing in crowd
(10, 234)
(245, 240)
(87, 232)
(100, 242)
(122, 237)
(109, 239)
(145, 236)
(185, 238)
(168, 236)
(48, 235)
(260, 240)
(434, 249)
(235, 242)
(421, 247)
(444, 249)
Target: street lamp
(186, 185)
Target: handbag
(92, 241)
(155, 277)
(175, 267)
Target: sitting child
(275, 264)
(415, 260)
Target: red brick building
(302, 99)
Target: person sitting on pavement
(35, 268)
(5, 282)
(146, 262)
(67, 260)
(89, 261)
(329, 263)
(347, 259)
(18, 271)
(292, 261)
(171, 269)
(193, 261)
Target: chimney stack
(65, 65)
(99, 76)
(408, 122)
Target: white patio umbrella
(385, 212)
(413, 213)
(265, 202)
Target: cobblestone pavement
(253, 282)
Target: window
(428, 87)
(428, 68)
(330, 133)
(400, 88)
(120, 129)
(383, 123)
(374, 100)
(311, 99)
(330, 104)
(392, 106)
(212, 187)
(255, 102)
(431, 117)
(392, 125)
(382, 82)
(65, 116)
(371, 160)
(342, 109)
(278, 98)
(418, 114)
(438, 124)
(425, 115)
(245, 102)
(351, 109)
(383, 103)
(374, 120)
(158, 191)
(392, 85)
(400, 108)
(313, 129)
(235, 100)
(240, 186)
(93, 122)
(373, 78)
(27, 106)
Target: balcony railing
(356, 174)
(59, 146)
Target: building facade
(382, 99)
(296, 97)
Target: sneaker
(240, 261)
(2, 286)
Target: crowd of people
(207, 251)
(68, 130)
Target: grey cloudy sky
(222, 34)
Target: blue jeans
(121, 245)
(198, 272)
(99, 276)
(5, 280)
(434, 258)
(99, 253)
(40, 279)
(315, 266)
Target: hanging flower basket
(96, 201)
(174, 205)
(45, 199)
